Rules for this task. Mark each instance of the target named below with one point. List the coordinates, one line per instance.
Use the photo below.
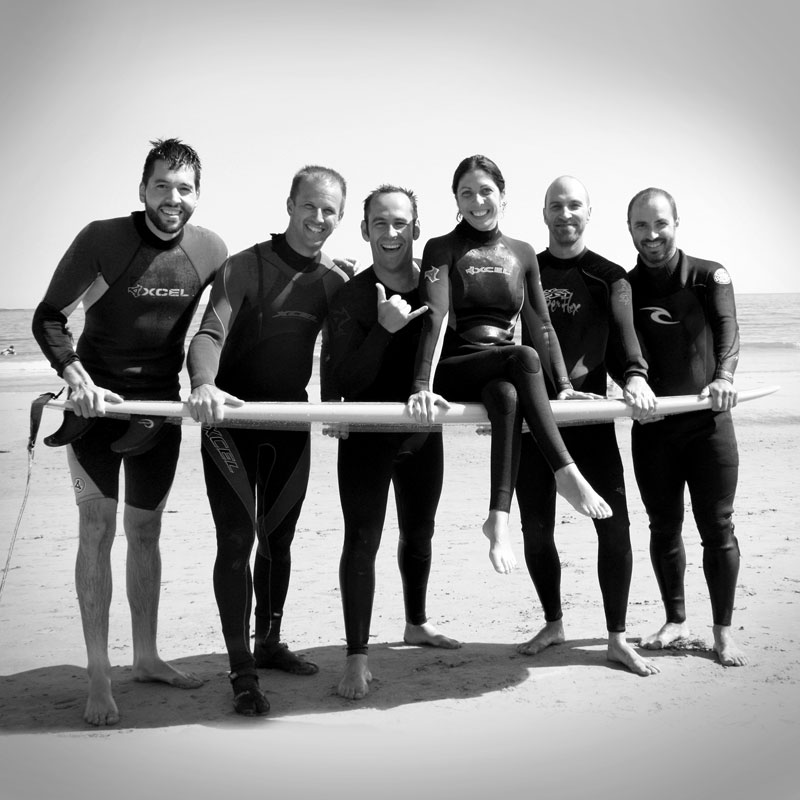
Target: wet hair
(649, 194)
(312, 172)
(479, 162)
(176, 154)
(388, 188)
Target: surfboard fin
(142, 434)
(72, 428)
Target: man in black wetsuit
(588, 298)
(375, 321)
(139, 279)
(256, 342)
(685, 316)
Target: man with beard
(139, 279)
(588, 298)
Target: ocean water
(769, 330)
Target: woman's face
(479, 200)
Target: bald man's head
(566, 213)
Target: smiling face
(314, 213)
(566, 212)
(390, 229)
(652, 226)
(479, 200)
(170, 198)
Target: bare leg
(143, 573)
(728, 652)
(575, 489)
(668, 633)
(354, 684)
(97, 524)
(620, 651)
(552, 633)
(495, 529)
(427, 634)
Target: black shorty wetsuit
(371, 364)
(256, 341)
(588, 299)
(685, 316)
(139, 294)
(475, 285)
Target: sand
(481, 721)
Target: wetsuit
(139, 294)
(256, 341)
(475, 284)
(371, 364)
(685, 316)
(588, 298)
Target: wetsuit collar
(565, 263)
(473, 234)
(291, 257)
(150, 238)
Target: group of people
(423, 333)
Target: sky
(697, 97)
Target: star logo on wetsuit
(432, 274)
(660, 315)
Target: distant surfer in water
(589, 300)
(139, 279)
(9, 351)
(685, 315)
(256, 342)
(375, 327)
(475, 281)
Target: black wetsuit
(139, 294)
(588, 299)
(685, 316)
(256, 341)
(475, 285)
(371, 364)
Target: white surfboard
(390, 415)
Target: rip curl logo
(479, 270)
(561, 300)
(295, 315)
(79, 485)
(722, 276)
(220, 444)
(432, 275)
(145, 422)
(157, 291)
(660, 315)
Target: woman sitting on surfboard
(475, 281)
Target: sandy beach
(476, 722)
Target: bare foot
(354, 684)
(495, 529)
(100, 706)
(728, 652)
(668, 633)
(620, 651)
(427, 635)
(575, 489)
(160, 671)
(552, 633)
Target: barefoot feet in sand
(666, 635)
(495, 529)
(552, 633)
(575, 489)
(622, 653)
(156, 670)
(728, 652)
(354, 684)
(426, 635)
(100, 706)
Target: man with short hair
(685, 315)
(139, 279)
(588, 298)
(256, 342)
(375, 331)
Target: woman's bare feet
(728, 652)
(495, 529)
(575, 489)
(552, 633)
(620, 651)
(668, 633)
(427, 635)
(354, 684)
